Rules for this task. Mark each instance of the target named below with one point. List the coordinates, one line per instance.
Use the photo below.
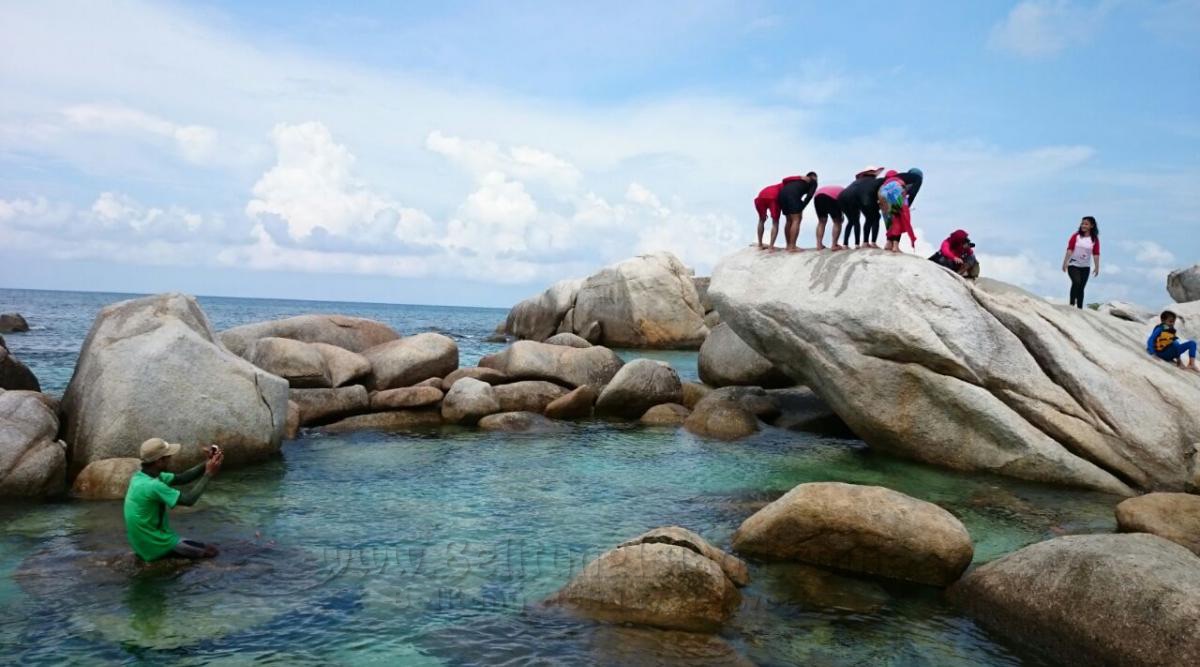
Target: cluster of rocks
(33, 461)
(649, 301)
(971, 376)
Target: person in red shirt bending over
(767, 201)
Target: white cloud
(1040, 28)
(1149, 252)
(195, 142)
(485, 158)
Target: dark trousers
(1079, 278)
(871, 225)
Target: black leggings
(871, 225)
(850, 212)
(1079, 278)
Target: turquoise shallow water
(434, 548)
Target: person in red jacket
(1083, 248)
(767, 201)
(958, 254)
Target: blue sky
(473, 152)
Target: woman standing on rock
(794, 194)
(1083, 249)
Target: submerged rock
(731, 565)
(527, 395)
(1093, 599)
(468, 401)
(14, 374)
(152, 367)
(301, 364)
(667, 414)
(867, 529)
(107, 479)
(351, 333)
(33, 462)
(665, 583)
(574, 405)
(647, 301)
(972, 376)
(1184, 284)
(638, 386)
(405, 397)
(407, 361)
(12, 322)
(323, 405)
(1173, 516)
(393, 420)
(727, 360)
(523, 422)
(568, 366)
(722, 419)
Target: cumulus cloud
(1040, 28)
(195, 142)
(486, 158)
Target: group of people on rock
(858, 208)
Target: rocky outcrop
(640, 385)
(393, 420)
(488, 375)
(1126, 311)
(667, 578)
(152, 367)
(648, 301)
(12, 322)
(574, 405)
(324, 405)
(405, 397)
(1184, 284)
(868, 529)
(14, 374)
(972, 376)
(468, 401)
(1092, 600)
(726, 360)
(568, 366)
(527, 395)
(722, 419)
(537, 318)
(301, 364)
(33, 462)
(519, 422)
(342, 365)
(667, 414)
(407, 361)
(106, 479)
(351, 333)
(1173, 516)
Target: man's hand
(213, 466)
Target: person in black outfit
(794, 194)
(860, 198)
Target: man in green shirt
(151, 494)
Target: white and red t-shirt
(1082, 248)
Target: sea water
(435, 548)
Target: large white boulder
(352, 333)
(152, 367)
(648, 301)
(1184, 284)
(971, 376)
(33, 462)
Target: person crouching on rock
(151, 493)
(958, 254)
(794, 194)
(1164, 343)
(767, 201)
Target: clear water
(434, 548)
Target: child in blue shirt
(1164, 343)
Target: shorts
(190, 549)
(791, 197)
(762, 206)
(827, 207)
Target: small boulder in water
(574, 405)
(32, 460)
(468, 401)
(638, 386)
(488, 375)
(568, 366)
(721, 419)
(393, 420)
(667, 414)
(106, 479)
(12, 322)
(407, 361)
(1174, 516)
(14, 374)
(519, 422)
(405, 397)
(527, 395)
(323, 405)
